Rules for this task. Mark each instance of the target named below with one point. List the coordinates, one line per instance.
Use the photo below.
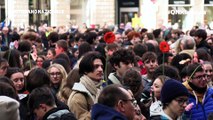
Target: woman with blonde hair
(58, 77)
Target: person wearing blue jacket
(114, 103)
(201, 97)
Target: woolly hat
(9, 108)
(171, 90)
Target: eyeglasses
(133, 101)
(208, 71)
(200, 77)
(57, 74)
(181, 101)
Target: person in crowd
(53, 37)
(6, 37)
(158, 34)
(30, 36)
(140, 49)
(121, 60)
(121, 28)
(14, 58)
(83, 48)
(150, 62)
(167, 70)
(200, 40)
(62, 61)
(208, 68)
(74, 56)
(61, 46)
(174, 97)
(181, 60)
(14, 40)
(3, 66)
(18, 79)
(148, 36)
(156, 94)
(65, 91)
(132, 80)
(9, 108)
(114, 102)
(7, 88)
(133, 38)
(51, 54)
(39, 60)
(85, 92)
(42, 103)
(175, 34)
(201, 55)
(58, 76)
(187, 45)
(110, 49)
(118, 39)
(200, 95)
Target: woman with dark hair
(201, 55)
(174, 97)
(84, 48)
(11, 91)
(51, 54)
(33, 81)
(3, 66)
(18, 79)
(14, 58)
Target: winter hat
(9, 108)
(171, 90)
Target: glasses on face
(181, 101)
(57, 74)
(208, 71)
(133, 101)
(200, 77)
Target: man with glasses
(201, 96)
(114, 103)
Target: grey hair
(188, 42)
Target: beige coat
(83, 97)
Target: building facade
(151, 14)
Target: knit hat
(9, 108)
(171, 90)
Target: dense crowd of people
(108, 73)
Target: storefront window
(180, 17)
(180, 13)
(37, 19)
(2, 10)
(179, 2)
(78, 11)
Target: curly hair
(122, 55)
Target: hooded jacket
(157, 113)
(203, 104)
(102, 112)
(59, 114)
